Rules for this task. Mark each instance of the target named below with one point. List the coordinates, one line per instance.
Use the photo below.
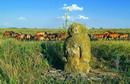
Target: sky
(51, 13)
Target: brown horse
(41, 33)
(38, 37)
(110, 34)
(28, 36)
(51, 36)
(8, 33)
(15, 35)
(107, 33)
(47, 39)
(21, 36)
(98, 36)
(113, 36)
(60, 34)
(123, 36)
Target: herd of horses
(110, 35)
(44, 36)
(39, 36)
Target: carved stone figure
(77, 49)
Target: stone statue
(77, 49)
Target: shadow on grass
(54, 53)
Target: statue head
(76, 29)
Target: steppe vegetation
(38, 62)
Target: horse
(41, 33)
(21, 36)
(113, 36)
(123, 36)
(15, 35)
(8, 33)
(98, 36)
(38, 37)
(60, 34)
(51, 36)
(28, 36)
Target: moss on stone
(77, 49)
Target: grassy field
(33, 31)
(100, 31)
(27, 62)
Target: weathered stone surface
(77, 49)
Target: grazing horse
(51, 36)
(41, 33)
(123, 36)
(46, 39)
(55, 36)
(28, 36)
(41, 38)
(21, 36)
(15, 35)
(60, 34)
(8, 33)
(107, 34)
(38, 37)
(113, 36)
(98, 36)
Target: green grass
(24, 62)
(27, 61)
(112, 54)
(29, 31)
(21, 61)
(100, 31)
(33, 31)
